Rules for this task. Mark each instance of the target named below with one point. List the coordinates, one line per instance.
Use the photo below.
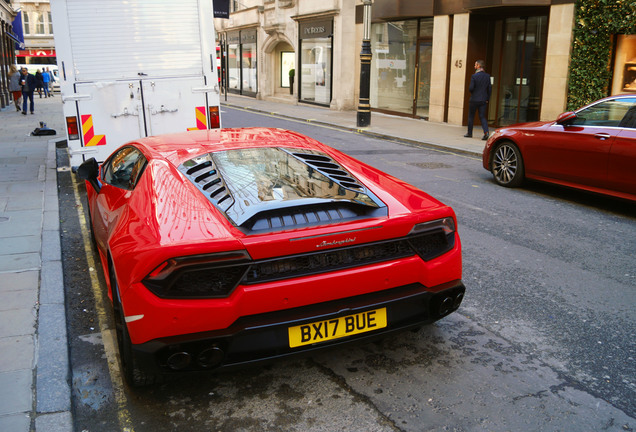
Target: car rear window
(244, 182)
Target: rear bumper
(264, 337)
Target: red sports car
(593, 149)
(226, 247)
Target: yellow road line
(108, 335)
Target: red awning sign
(36, 53)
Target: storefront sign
(36, 53)
(316, 29)
(221, 9)
(248, 36)
(234, 38)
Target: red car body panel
(590, 157)
(165, 217)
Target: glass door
(521, 68)
(423, 89)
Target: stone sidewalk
(34, 369)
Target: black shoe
(18, 109)
(32, 112)
(485, 137)
(23, 112)
(468, 135)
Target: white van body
(134, 68)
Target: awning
(36, 53)
(15, 39)
(18, 35)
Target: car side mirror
(566, 118)
(89, 171)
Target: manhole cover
(431, 165)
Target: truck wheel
(507, 165)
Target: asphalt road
(545, 339)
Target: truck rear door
(174, 104)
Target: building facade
(423, 52)
(38, 32)
(8, 40)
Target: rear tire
(133, 374)
(507, 165)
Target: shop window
(39, 28)
(394, 47)
(25, 21)
(624, 78)
(314, 71)
(248, 66)
(242, 62)
(233, 63)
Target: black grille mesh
(219, 281)
(327, 261)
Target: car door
(578, 152)
(120, 174)
(621, 171)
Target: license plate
(336, 328)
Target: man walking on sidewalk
(480, 90)
(28, 83)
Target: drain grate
(431, 165)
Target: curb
(53, 389)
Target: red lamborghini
(223, 248)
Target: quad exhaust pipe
(206, 359)
(448, 303)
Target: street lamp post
(364, 105)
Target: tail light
(432, 239)
(72, 128)
(215, 120)
(201, 276)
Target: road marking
(472, 207)
(108, 335)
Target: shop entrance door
(521, 43)
(422, 89)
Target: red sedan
(226, 247)
(593, 149)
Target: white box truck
(134, 68)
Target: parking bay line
(108, 336)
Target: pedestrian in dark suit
(29, 84)
(480, 90)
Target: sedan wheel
(507, 165)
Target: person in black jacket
(39, 82)
(480, 90)
(29, 84)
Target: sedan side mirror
(566, 118)
(89, 171)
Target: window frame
(139, 164)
